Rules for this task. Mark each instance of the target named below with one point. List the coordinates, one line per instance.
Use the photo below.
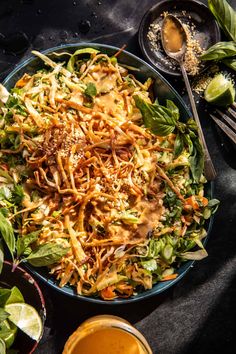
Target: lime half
(220, 91)
(26, 318)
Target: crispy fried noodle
(81, 172)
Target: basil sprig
(165, 120)
(231, 63)
(47, 254)
(225, 16)
(7, 232)
(25, 241)
(159, 119)
(223, 51)
(220, 51)
(22, 250)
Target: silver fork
(227, 122)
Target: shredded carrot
(108, 293)
(120, 50)
(192, 202)
(169, 277)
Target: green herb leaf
(2, 346)
(4, 295)
(192, 125)
(12, 101)
(157, 118)
(71, 62)
(220, 51)
(25, 241)
(1, 256)
(196, 159)
(213, 205)
(91, 90)
(3, 315)
(18, 194)
(173, 108)
(225, 16)
(47, 254)
(179, 145)
(15, 296)
(231, 63)
(7, 233)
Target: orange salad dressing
(108, 341)
(173, 36)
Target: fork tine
(232, 112)
(225, 128)
(227, 119)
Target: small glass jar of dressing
(106, 334)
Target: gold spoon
(174, 42)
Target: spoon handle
(209, 169)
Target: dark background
(198, 315)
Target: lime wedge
(220, 91)
(15, 296)
(8, 333)
(26, 318)
(2, 346)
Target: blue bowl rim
(147, 293)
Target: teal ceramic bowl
(163, 90)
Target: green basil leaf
(220, 51)
(15, 296)
(179, 145)
(47, 254)
(1, 256)
(173, 108)
(91, 90)
(196, 160)
(225, 16)
(157, 118)
(17, 194)
(4, 295)
(4, 212)
(192, 125)
(24, 241)
(71, 62)
(3, 315)
(2, 346)
(231, 63)
(213, 205)
(7, 233)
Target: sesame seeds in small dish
(200, 26)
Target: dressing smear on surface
(108, 340)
